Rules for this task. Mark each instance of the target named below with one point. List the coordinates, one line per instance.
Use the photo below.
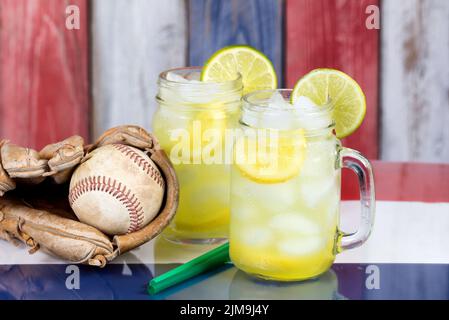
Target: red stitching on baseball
(115, 189)
(141, 163)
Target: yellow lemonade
(284, 219)
(287, 230)
(190, 124)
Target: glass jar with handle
(285, 190)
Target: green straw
(208, 261)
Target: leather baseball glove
(34, 206)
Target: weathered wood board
(43, 72)
(415, 80)
(132, 42)
(334, 34)
(214, 24)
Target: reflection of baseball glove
(40, 216)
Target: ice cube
(304, 103)
(243, 210)
(254, 236)
(277, 101)
(294, 222)
(272, 197)
(172, 76)
(319, 158)
(195, 92)
(314, 189)
(193, 76)
(309, 115)
(301, 246)
(333, 210)
(171, 121)
(276, 119)
(313, 122)
(189, 78)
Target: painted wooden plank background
(399, 181)
(415, 80)
(214, 24)
(133, 41)
(322, 33)
(43, 72)
(44, 82)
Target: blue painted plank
(214, 24)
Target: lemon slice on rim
(256, 69)
(344, 92)
(277, 161)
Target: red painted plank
(403, 182)
(333, 34)
(43, 72)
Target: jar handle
(352, 159)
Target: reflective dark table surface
(343, 281)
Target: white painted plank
(415, 80)
(404, 232)
(132, 42)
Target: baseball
(118, 189)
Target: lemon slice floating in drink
(348, 98)
(279, 160)
(256, 69)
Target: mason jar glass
(285, 190)
(191, 124)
